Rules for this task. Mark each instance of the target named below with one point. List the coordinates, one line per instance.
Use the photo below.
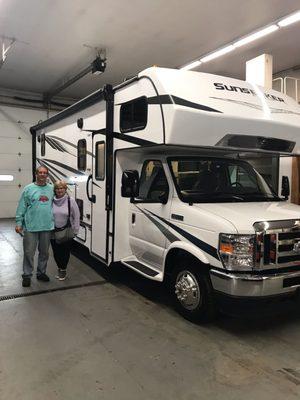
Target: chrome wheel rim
(187, 290)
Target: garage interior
(113, 334)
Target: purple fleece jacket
(60, 212)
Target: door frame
(295, 195)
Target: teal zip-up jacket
(34, 212)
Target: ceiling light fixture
(6, 178)
(191, 65)
(255, 36)
(217, 53)
(290, 19)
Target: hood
(244, 215)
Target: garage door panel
(13, 162)
(11, 146)
(8, 209)
(14, 131)
(8, 193)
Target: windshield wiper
(229, 196)
(262, 195)
(210, 196)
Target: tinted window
(257, 142)
(153, 182)
(43, 144)
(219, 180)
(81, 155)
(100, 161)
(80, 206)
(133, 115)
(268, 167)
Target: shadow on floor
(237, 320)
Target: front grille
(289, 235)
(287, 259)
(278, 246)
(288, 247)
(288, 282)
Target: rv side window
(153, 182)
(133, 115)
(43, 144)
(81, 155)
(100, 161)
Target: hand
(18, 229)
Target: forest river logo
(297, 247)
(238, 89)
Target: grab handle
(92, 198)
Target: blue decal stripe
(165, 231)
(212, 251)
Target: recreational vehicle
(177, 175)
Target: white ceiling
(136, 34)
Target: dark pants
(61, 253)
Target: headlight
(237, 251)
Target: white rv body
(145, 125)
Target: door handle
(133, 218)
(92, 198)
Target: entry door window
(100, 161)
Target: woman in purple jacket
(62, 251)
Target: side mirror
(130, 184)
(285, 187)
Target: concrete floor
(120, 339)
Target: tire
(192, 292)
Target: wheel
(192, 292)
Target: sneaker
(61, 274)
(26, 282)
(43, 277)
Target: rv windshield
(203, 180)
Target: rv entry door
(97, 198)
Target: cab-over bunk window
(133, 115)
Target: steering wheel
(237, 184)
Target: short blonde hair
(58, 184)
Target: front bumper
(248, 285)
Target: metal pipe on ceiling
(96, 67)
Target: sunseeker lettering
(230, 88)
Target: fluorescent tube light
(290, 20)
(191, 65)
(246, 39)
(6, 178)
(218, 53)
(255, 35)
